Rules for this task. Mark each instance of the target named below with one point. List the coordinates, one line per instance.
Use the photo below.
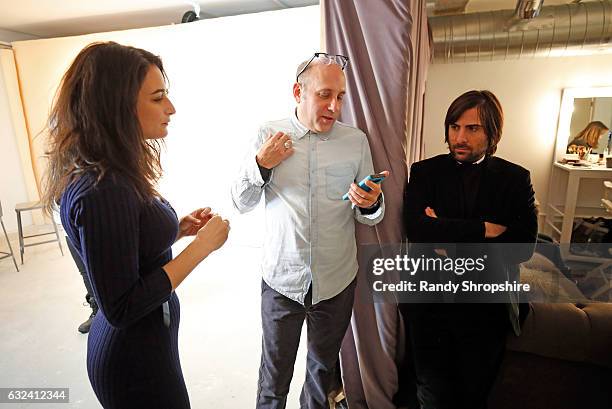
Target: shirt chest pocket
(338, 179)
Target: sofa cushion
(573, 332)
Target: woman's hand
(212, 236)
(209, 237)
(194, 221)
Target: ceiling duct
(568, 29)
(527, 9)
(444, 7)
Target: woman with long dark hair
(104, 162)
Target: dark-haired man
(467, 196)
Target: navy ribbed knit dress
(132, 354)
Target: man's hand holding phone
(366, 193)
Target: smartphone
(376, 178)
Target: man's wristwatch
(376, 203)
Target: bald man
(302, 166)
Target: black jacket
(505, 197)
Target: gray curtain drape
(388, 45)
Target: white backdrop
(227, 76)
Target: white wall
(530, 93)
(12, 181)
(226, 77)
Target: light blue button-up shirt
(310, 230)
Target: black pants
(79, 263)
(282, 320)
(457, 350)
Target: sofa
(563, 358)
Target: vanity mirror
(576, 189)
(585, 120)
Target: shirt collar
(478, 162)
(301, 130)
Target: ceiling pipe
(568, 29)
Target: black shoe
(84, 327)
